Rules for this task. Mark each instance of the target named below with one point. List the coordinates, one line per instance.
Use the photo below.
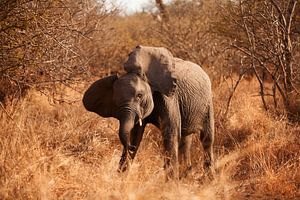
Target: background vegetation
(51, 50)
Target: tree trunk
(162, 9)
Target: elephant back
(192, 80)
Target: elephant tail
(209, 121)
(207, 135)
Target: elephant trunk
(127, 122)
(126, 125)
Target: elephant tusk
(140, 122)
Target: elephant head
(157, 63)
(127, 98)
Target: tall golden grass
(51, 151)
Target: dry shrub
(265, 150)
(265, 35)
(49, 43)
(187, 36)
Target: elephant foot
(208, 166)
(185, 173)
(122, 168)
(209, 171)
(171, 174)
(123, 164)
(205, 178)
(126, 160)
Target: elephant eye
(139, 96)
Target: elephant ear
(157, 63)
(99, 97)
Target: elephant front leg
(171, 155)
(171, 128)
(136, 136)
(123, 164)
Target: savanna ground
(52, 148)
(63, 152)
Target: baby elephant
(173, 94)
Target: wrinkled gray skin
(173, 94)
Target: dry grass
(63, 152)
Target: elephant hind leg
(207, 138)
(185, 154)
